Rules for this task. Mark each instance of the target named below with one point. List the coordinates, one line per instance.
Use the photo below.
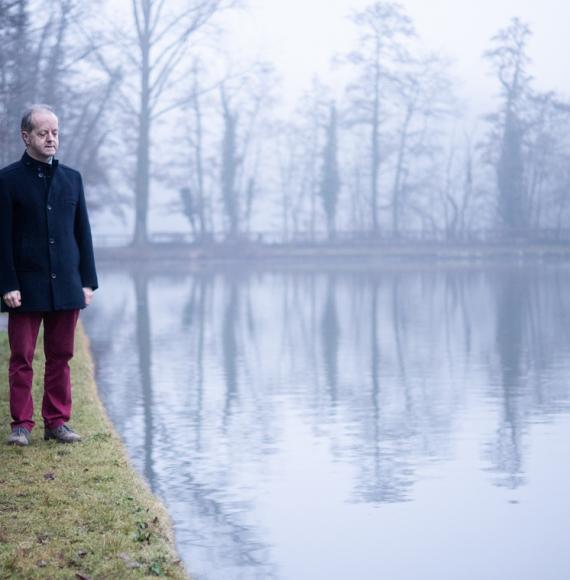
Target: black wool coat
(46, 250)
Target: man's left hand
(88, 294)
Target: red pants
(59, 334)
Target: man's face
(43, 140)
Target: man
(47, 273)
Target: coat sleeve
(8, 277)
(84, 243)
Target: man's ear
(26, 137)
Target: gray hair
(27, 123)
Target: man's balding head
(27, 123)
(40, 132)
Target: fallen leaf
(131, 564)
(49, 476)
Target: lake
(406, 422)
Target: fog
(420, 406)
(195, 122)
(459, 29)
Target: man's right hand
(13, 299)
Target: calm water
(403, 424)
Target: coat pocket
(28, 256)
(65, 196)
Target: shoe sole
(17, 443)
(52, 438)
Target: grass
(77, 511)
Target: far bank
(379, 252)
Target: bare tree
(44, 53)
(244, 98)
(330, 181)
(423, 97)
(302, 146)
(546, 157)
(16, 86)
(194, 196)
(230, 164)
(162, 42)
(384, 29)
(288, 157)
(510, 60)
(458, 191)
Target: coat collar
(39, 166)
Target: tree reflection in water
(217, 374)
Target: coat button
(49, 207)
(53, 275)
(40, 174)
(51, 241)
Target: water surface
(401, 423)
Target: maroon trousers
(59, 334)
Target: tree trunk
(199, 163)
(229, 167)
(375, 144)
(142, 185)
(396, 191)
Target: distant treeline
(153, 106)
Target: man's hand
(13, 299)
(88, 294)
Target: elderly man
(47, 273)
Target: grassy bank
(77, 511)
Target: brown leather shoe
(62, 434)
(19, 436)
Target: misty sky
(300, 36)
